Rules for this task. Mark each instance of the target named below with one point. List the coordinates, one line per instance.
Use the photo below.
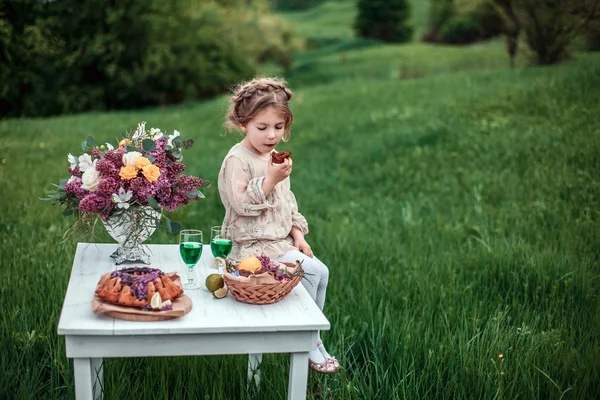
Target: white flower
(73, 160)
(71, 179)
(156, 133)
(140, 132)
(85, 162)
(90, 179)
(173, 136)
(122, 199)
(109, 146)
(129, 158)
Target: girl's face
(264, 131)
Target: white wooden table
(214, 326)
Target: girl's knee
(323, 270)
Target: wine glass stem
(191, 275)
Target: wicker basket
(261, 293)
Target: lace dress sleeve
(298, 219)
(245, 194)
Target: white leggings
(316, 275)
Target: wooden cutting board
(181, 307)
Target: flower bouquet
(260, 280)
(127, 187)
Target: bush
(472, 23)
(592, 36)
(440, 12)
(71, 55)
(461, 29)
(385, 20)
(550, 26)
(26, 44)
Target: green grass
(458, 214)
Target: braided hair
(250, 98)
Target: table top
(296, 312)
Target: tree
(512, 27)
(551, 25)
(385, 20)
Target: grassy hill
(457, 211)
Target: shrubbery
(385, 20)
(72, 55)
(450, 24)
(592, 36)
(550, 26)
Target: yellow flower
(141, 162)
(151, 172)
(124, 142)
(128, 172)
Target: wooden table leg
(254, 361)
(83, 378)
(298, 376)
(97, 378)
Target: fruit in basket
(214, 282)
(220, 293)
(250, 264)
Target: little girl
(260, 208)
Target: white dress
(259, 224)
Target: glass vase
(130, 228)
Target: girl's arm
(300, 242)
(299, 227)
(298, 219)
(244, 193)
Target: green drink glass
(221, 243)
(190, 249)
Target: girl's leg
(315, 282)
(316, 275)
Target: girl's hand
(278, 172)
(304, 247)
(275, 174)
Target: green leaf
(151, 158)
(123, 135)
(188, 143)
(176, 153)
(177, 142)
(66, 213)
(192, 194)
(153, 203)
(175, 226)
(83, 145)
(148, 145)
(132, 148)
(91, 141)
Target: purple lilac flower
(108, 186)
(94, 202)
(173, 169)
(107, 169)
(96, 153)
(142, 189)
(159, 152)
(75, 188)
(115, 157)
(75, 172)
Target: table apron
(107, 346)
